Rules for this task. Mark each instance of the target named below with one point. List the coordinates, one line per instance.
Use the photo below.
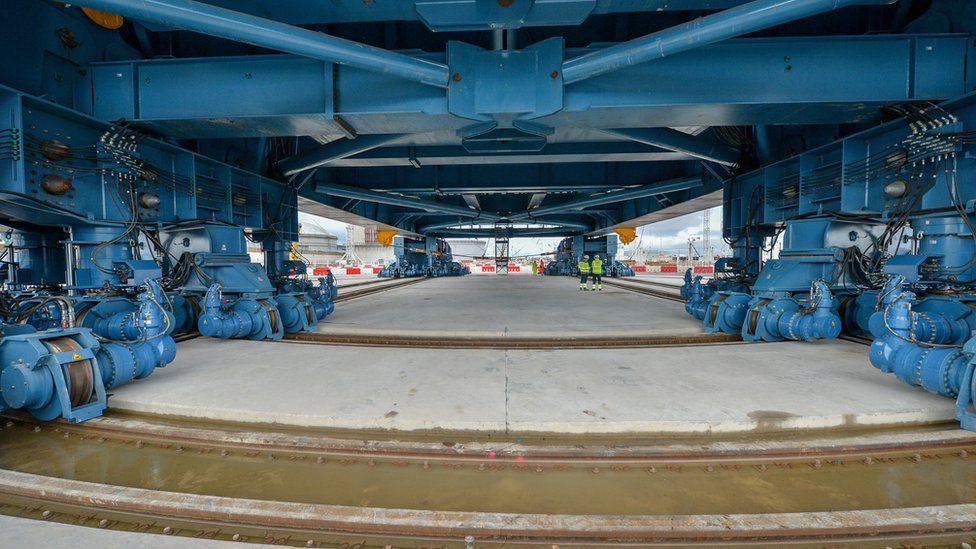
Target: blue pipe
(147, 341)
(937, 368)
(687, 287)
(241, 27)
(785, 317)
(737, 21)
(320, 156)
(942, 364)
(726, 312)
(241, 318)
(322, 297)
(696, 304)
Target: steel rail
(671, 296)
(372, 289)
(812, 448)
(638, 280)
(220, 517)
(445, 340)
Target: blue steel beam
(241, 27)
(492, 179)
(730, 23)
(738, 82)
(337, 150)
(303, 12)
(514, 233)
(394, 200)
(706, 148)
(652, 189)
(554, 153)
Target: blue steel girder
(552, 153)
(802, 184)
(454, 14)
(457, 179)
(737, 82)
(428, 207)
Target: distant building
(465, 249)
(316, 247)
(362, 245)
(319, 249)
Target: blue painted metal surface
(428, 256)
(444, 15)
(730, 23)
(34, 375)
(745, 81)
(620, 113)
(570, 251)
(932, 349)
(215, 21)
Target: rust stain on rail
(956, 519)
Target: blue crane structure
(143, 143)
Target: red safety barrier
(704, 269)
(320, 271)
(487, 268)
(376, 270)
(640, 268)
(353, 271)
(669, 268)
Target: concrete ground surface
(690, 390)
(505, 305)
(28, 534)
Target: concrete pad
(689, 390)
(22, 532)
(325, 386)
(714, 389)
(503, 305)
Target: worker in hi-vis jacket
(596, 273)
(584, 271)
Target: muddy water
(493, 486)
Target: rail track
(446, 340)
(369, 288)
(323, 489)
(641, 287)
(567, 340)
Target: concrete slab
(689, 390)
(21, 532)
(501, 305)
(325, 386)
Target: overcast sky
(671, 235)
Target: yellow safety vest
(598, 266)
(584, 267)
